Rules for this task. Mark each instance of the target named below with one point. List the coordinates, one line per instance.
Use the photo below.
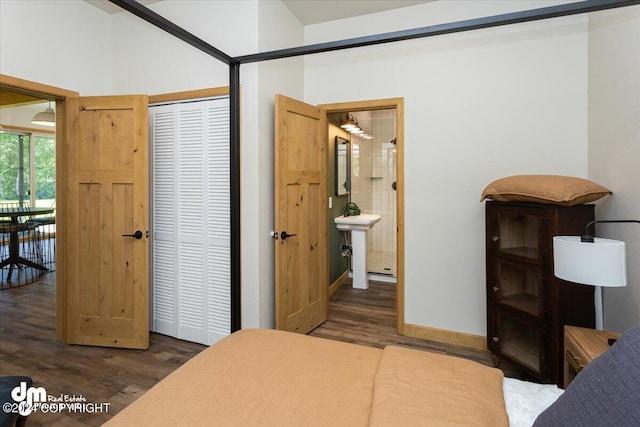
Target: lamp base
(597, 298)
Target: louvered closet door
(191, 258)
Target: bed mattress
(276, 378)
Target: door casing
(60, 96)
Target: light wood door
(300, 210)
(107, 295)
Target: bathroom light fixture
(591, 261)
(351, 125)
(348, 122)
(45, 118)
(356, 131)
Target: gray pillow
(605, 393)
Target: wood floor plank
(28, 346)
(368, 317)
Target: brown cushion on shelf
(551, 189)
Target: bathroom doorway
(377, 180)
(373, 172)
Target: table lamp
(591, 261)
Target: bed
(275, 378)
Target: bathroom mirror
(342, 166)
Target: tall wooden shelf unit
(527, 306)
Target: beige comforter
(275, 378)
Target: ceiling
(308, 11)
(316, 11)
(13, 99)
(109, 7)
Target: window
(44, 171)
(27, 168)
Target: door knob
(136, 235)
(284, 235)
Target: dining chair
(5, 235)
(5, 230)
(25, 230)
(46, 237)
(29, 238)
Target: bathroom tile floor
(382, 263)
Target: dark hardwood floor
(368, 317)
(28, 346)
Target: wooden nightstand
(581, 346)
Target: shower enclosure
(373, 177)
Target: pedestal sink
(358, 225)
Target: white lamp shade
(601, 263)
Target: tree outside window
(45, 170)
(16, 174)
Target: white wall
(614, 146)
(66, 44)
(478, 106)
(148, 60)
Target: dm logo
(28, 397)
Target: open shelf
(519, 234)
(519, 287)
(523, 302)
(521, 251)
(524, 351)
(520, 341)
